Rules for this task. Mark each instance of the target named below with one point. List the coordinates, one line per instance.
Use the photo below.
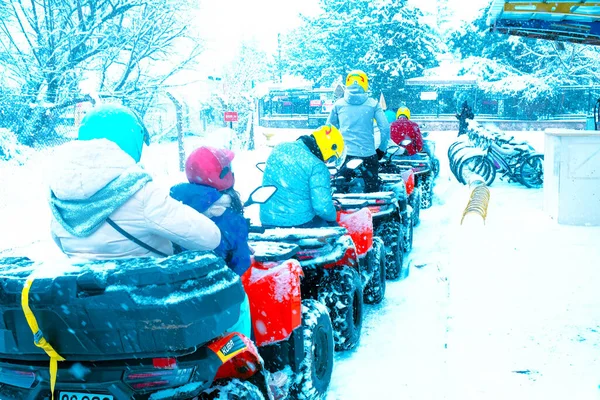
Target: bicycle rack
(479, 200)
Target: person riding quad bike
(299, 171)
(105, 206)
(405, 129)
(353, 116)
(210, 192)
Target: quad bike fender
(359, 225)
(273, 289)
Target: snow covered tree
(124, 45)
(386, 39)
(529, 69)
(250, 67)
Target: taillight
(22, 379)
(375, 209)
(164, 363)
(154, 379)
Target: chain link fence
(563, 103)
(169, 118)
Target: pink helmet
(211, 167)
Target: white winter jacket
(150, 215)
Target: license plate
(84, 396)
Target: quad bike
(393, 217)
(423, 168)
(159, 329)
(343, 266)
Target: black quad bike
(161, 329)
(393, 217)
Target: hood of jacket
(199, 197)
(89, 181)
(355, 95)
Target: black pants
(318, 222)
(369, 170)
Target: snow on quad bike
(422, 166)
(393, 217)
(343, 268)
(159, 329)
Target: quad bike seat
(265, 251)
(118, 309)
(390, 178)
(303, 237)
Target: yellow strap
(38, 337)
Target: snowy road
(509, 310)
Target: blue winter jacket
(303, 187)
(353, 115)
(234, 228)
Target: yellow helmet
(331, 143)
(358, 76)
(403, 111)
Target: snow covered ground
(505, 310)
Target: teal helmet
(118, 124)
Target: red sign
(231, 116)
(315, 103)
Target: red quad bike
(343, 267)
(421, 164)
(393, 217)
(159, 329)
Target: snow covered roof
(568, 21)
(442, 80)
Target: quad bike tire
(415, 203)
(375, 289)
(317, 364)
(393, 237)
(342, 294)
(426, 185)
(232, 389)
(435, 167)
(408, 236)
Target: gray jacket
(353, 116)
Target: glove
(337, 205)
(380, 154)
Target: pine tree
(385, 39)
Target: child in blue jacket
(210, 192)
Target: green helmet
(118, 124)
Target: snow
(483, 305)
(298, 233)
(509, 309)
(284, 278)
(10, 149)
(173, 298)
(190, 388)
(78, 371)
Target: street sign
(231, 116)
(429, 96)
(315, 103)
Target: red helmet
(211, 167)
